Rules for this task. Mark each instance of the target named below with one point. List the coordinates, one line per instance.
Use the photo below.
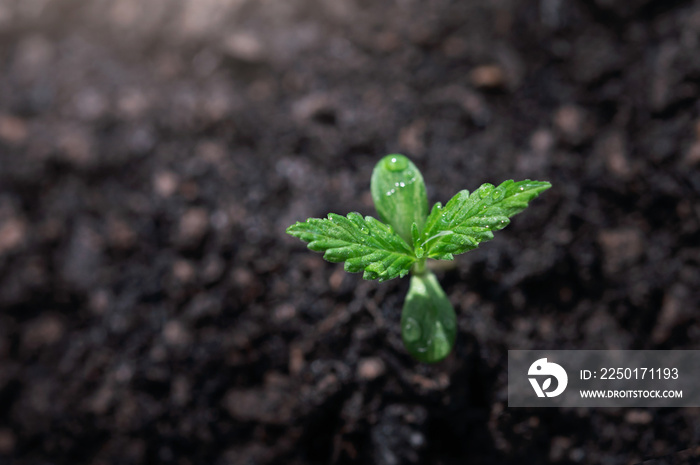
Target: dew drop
(411, 330)
(396, 163)
(448, 323)
(498, 193)
(485, 191)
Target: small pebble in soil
(370, 368)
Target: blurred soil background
(152, 153)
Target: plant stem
(419, 268)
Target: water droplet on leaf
(448, 323)
(485, 190)
(411, 330)
(396, 163)
(498, 194)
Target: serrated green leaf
(364, 244)
(467, 220)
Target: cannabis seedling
(410, 236)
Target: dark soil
(152, 153)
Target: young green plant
(409, 235)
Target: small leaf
(428, 321)
(415, 235)
(467, 220)
(364, 244)
(398, 192)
